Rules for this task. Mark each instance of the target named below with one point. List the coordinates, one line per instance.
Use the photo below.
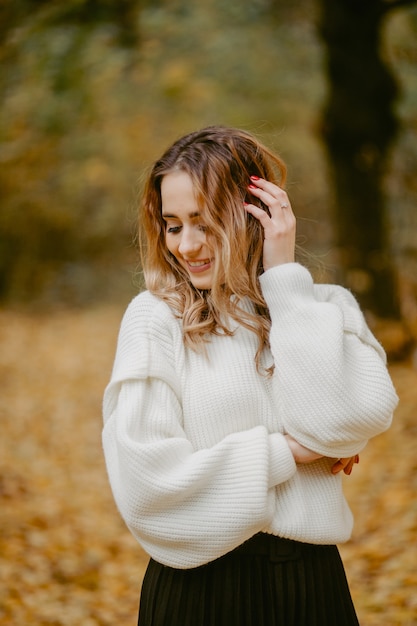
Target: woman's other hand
(304, 455)
(300, 453)
(345, 464)
(279, 228)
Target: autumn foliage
(66, 558)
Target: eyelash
(176, 229)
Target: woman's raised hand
(279, 228)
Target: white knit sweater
(194, 444)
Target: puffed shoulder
(353, 319)
(148, 307)
(149, 337)
(290, 287)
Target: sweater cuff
(286, 286)
(282, 465)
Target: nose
(191, 241)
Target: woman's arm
(330, 379)
(185, 506)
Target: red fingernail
(252, 187)
(254, 177)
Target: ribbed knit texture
(194, 444)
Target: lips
(196, 267)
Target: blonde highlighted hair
(220, 162)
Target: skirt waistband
(276, 548)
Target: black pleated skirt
(268, 581)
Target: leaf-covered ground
(66, 559)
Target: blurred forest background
(92, 92)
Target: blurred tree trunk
(359, 127)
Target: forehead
(177, 188)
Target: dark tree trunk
(359, 127)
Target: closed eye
(173, 229)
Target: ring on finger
(284, 205)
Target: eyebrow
(175, 217)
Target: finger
(274, 203)
(345, 465)
(341, 464)
(338, 466)
(274, 190)
(270, 194)
(274, 228)
(348, 468)
(259, 214)
(280, 212)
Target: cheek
(170, 243)
(210, 243)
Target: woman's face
(185, 231)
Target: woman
(240, 391)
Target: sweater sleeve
(186, 507)
(330, 381)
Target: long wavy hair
(220, 162)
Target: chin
(202, 286)
(202, 283)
